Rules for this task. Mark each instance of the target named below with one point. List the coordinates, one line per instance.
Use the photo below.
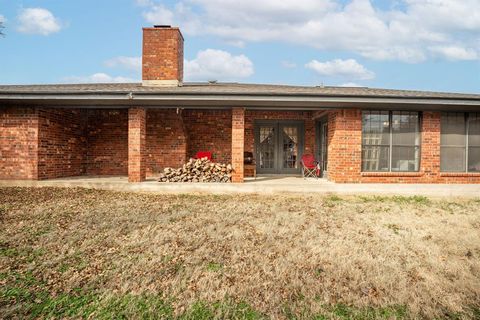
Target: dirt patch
(283, 254)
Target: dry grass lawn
(77, 253)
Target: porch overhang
(226, 101)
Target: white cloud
(209, 64)
(38, 21)
(128, 63)
(405, 32)
(349, 68)
(236, 43)
(456, 53)
(159, 14)
(213, 64)
(98, 78)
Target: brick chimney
(162, 59)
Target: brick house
(359, 135)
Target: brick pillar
(19, 143)
(430, 161)
(238, 142)
(344, 145)
(136, 144)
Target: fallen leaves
(265, 250)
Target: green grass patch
(221, 310)
(383, 204)
(341, 311)
(23, 303)
(331, 200)
(213, 266)
(368, 199)
(420, 200)
(27, 254)
(25, 297)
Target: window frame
(466, 117)
(390, 142)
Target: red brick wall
(18, 143)
(162, 54)
(107, 142)
(137, 132)
(62, 143)
(344, 153)
(50, 143)
(209, 130)
(166, 140)
(344, 145)
(309, 124)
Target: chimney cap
(165, 26)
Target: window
(390, 141)
(460, 142)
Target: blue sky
(399, 44)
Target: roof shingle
(228, 89)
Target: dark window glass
(375, 158)
(405, 141)
(376, 128)
(267, 147)
(390, 141)
(405, 158)
(376, 141)
(460, 142)
(474, 159)
(474, 142)
(452, 159)
(453, 130)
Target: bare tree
(1, 28)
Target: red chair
(203, 154)
(310, 167)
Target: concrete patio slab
(265, 185)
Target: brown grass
(304, 252)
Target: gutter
(229, 100)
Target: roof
(229, 94)
(231, 88)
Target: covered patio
(138, 143)
(160, 138)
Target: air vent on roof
(162, 26)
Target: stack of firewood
(198, 170)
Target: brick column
(136, 144)
(430, 160)
(345, 145)
(238, 141)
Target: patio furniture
(310, 167)
(204, 154)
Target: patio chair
(204, 154)
(310, 167)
